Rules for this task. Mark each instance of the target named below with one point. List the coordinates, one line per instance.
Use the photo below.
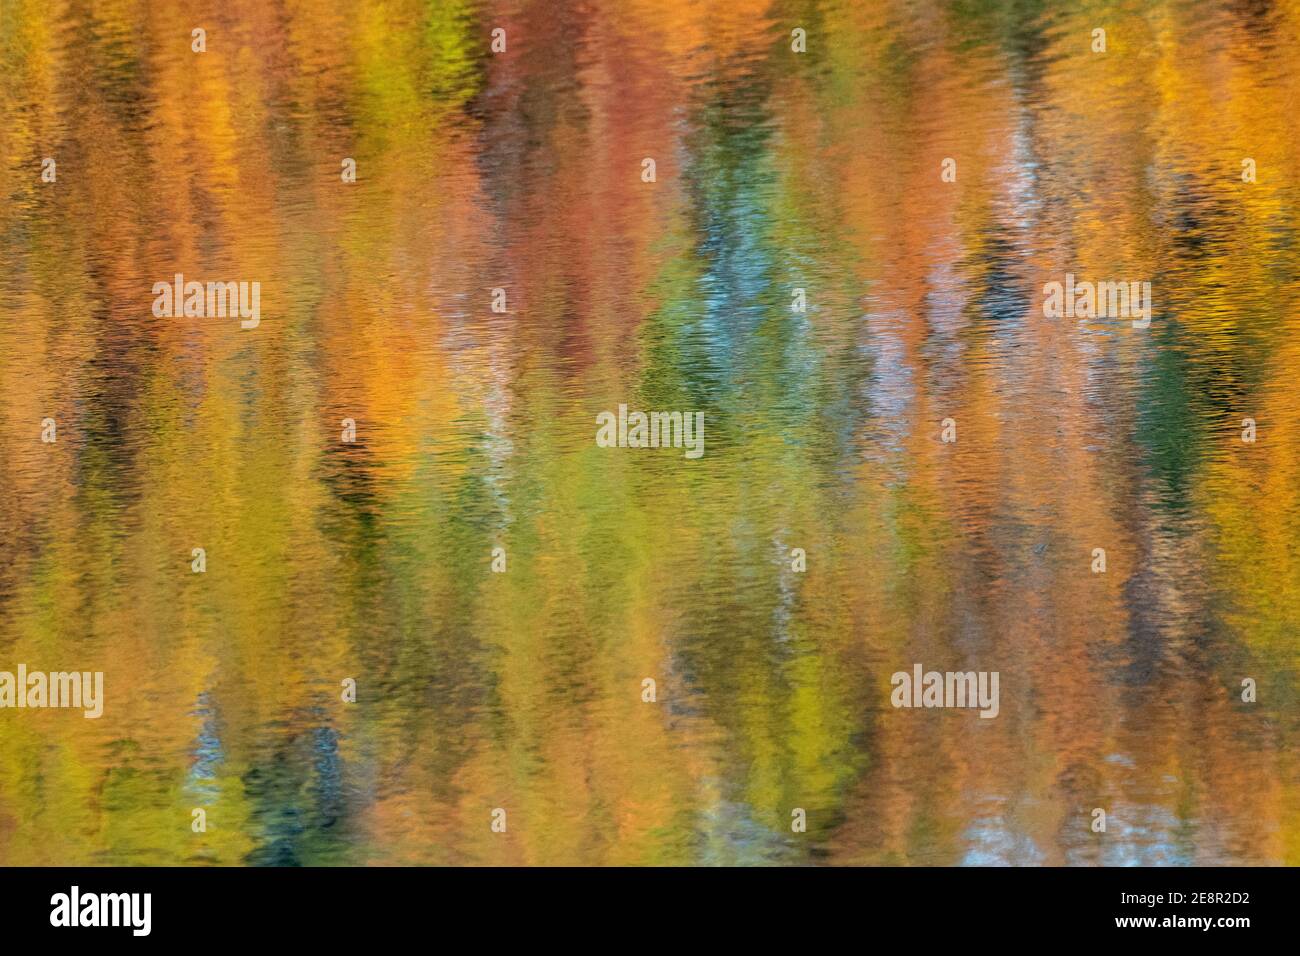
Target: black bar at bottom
(1224, 906)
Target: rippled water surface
(372, 560)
